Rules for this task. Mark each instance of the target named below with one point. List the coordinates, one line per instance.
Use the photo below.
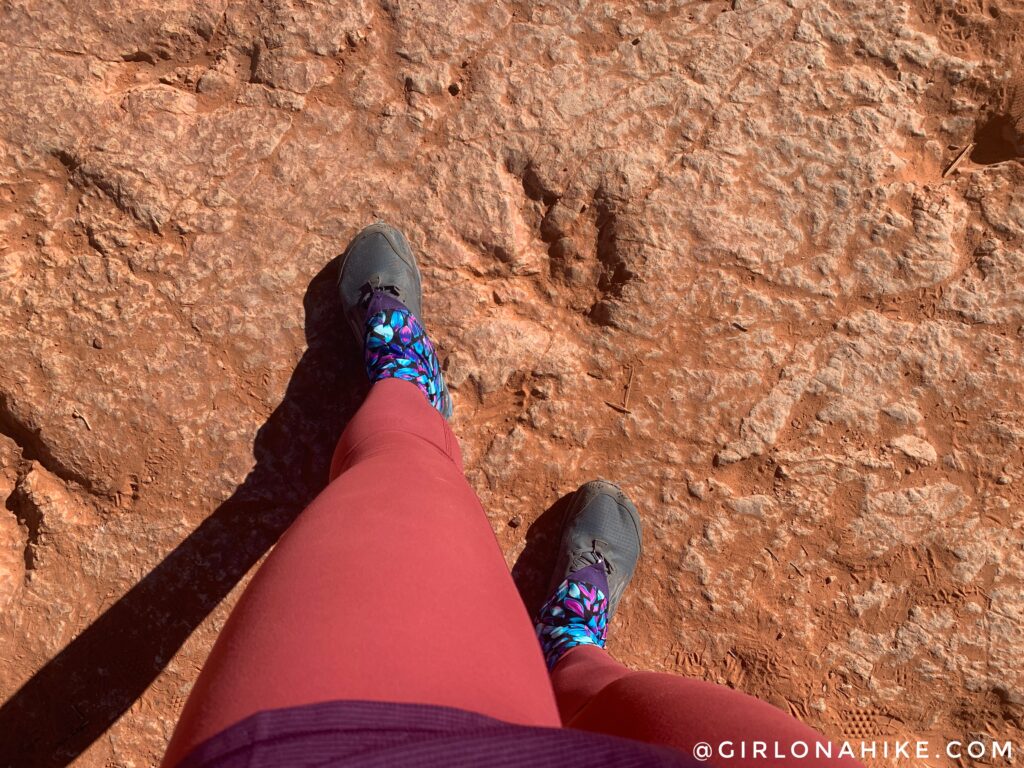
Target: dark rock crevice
(30, 517)
(997, 140)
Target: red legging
(367, 596)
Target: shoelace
(593, 557)
(367, 289)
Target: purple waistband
(351, 734)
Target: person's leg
(390, 586)
(597, 693)
(600, 544)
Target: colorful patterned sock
(576, 614)
(397, 347)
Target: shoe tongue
(594, 574)
(382, 300)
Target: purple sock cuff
(382, 301)
(594, 575)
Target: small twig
(618, 408)
(958, 159)
(77, 415)
(629, 387)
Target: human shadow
(85, 688)
(532, 569)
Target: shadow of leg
(86, 687)
(532, 569)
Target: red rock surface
(740, 207)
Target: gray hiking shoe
(379, 257)
(600, 524)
